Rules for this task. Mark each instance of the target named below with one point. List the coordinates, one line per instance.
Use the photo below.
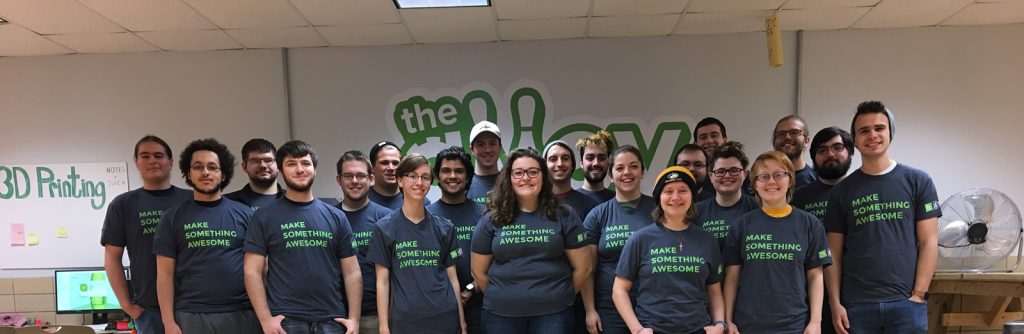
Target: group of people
(796, 247)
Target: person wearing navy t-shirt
(675, 267)
(258, 164)
(414, 252)
(384, 156)
(832, 148)
(728, 173)
(485, 143)
(454, 171)
(354, 178)
(882, 224)
(530, 254)
(774, 258)
(299, 256)
(130, 223)
(200, 241)
(594, 152)
(791, 136)
(695, 159)
(608, 226)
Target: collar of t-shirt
(887, 169)
(209, 204)
(778, 213)
(630, 205)
(161, 192)
(299, 203)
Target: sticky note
(62, 232)
(33, 239)
(17, 234)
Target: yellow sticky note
(62, 232)
(33, 239)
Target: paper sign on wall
(17, 234)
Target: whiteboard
(60, 208)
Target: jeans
(293, 326)
(895, 317)
(561, 322)
(149, 322)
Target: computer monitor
(84, 291)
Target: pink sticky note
(17, 234)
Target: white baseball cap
(484, 126)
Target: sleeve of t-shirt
(731, 251)
(834, 220)
(630, 259)
(451, 243)
(714, 263)
(164, 239)
(113, 224)
(572, 232)
(926, 198)
(483, 235)
(592, 226)
(346, 242)
(255, 239)
(818, 254)
(379, 251)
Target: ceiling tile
(543, 28)
(278, 38)
(721, 23)
(641, 25)
(451, 25)
(375, 34)
(633, 7)
(244, 14)
(104, 43)
(540, 9)
(909, 13)
(819, 19)
(808, 4)
(190, 40)
(18, 41)
(49, 17)
(711, 6)
(151, 15)
(347, 12)
(988, 13)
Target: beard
(299, 187)
(263, 182)
(595, 180)
(212, 191)
(833, 169)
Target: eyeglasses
(732, 171)
(694, 164)
(355, 177)
(200, 168)
(257, 161)
(791, 133)
(518, 173)
(778, 176)
(835, 148)
(425, 178)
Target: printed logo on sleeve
(456, 253)
(824, 253)
(931, 206)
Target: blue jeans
(561, 322)
(895, 317)
(149, 322)
(293, 326)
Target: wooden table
(947, 287)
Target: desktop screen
(83, 291)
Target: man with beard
(594, 151)
(130, 223)
(694, 159)
(791, 137)
(200, 241)
(297, 253)
(454, 171)
(355, 176)
(485, 142)
(258, 163)
(833, 151)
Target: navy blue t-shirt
(805, 176)
(812, 198)
(253, 199)
(480, 186)
(598, 196)
(530, 274)
(390, 202)
(418, 256)
(608, 226)
(362, 222)
(205, 240)
(464, 216)
(303, 243)
(671, 283)
(775, 255)
(717, 219)
(878, 215)
(580, 203)
(131, 222)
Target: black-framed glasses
(200, 168)
(777, 176)
(735, 171)
(835, 148)
(518, 173)
(425, 178)
(792, 133)
(257, 161)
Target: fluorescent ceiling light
(405, 4)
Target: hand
(464, 330)
(733, 329)
(384, 330)
(813, 328)
(465, 295)
(351, 326)
(916, 299)
(133, 310)
(714, 329)
(172, 328)
(594, 322)
(273, 326)
(645, 330)
(839, 319)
